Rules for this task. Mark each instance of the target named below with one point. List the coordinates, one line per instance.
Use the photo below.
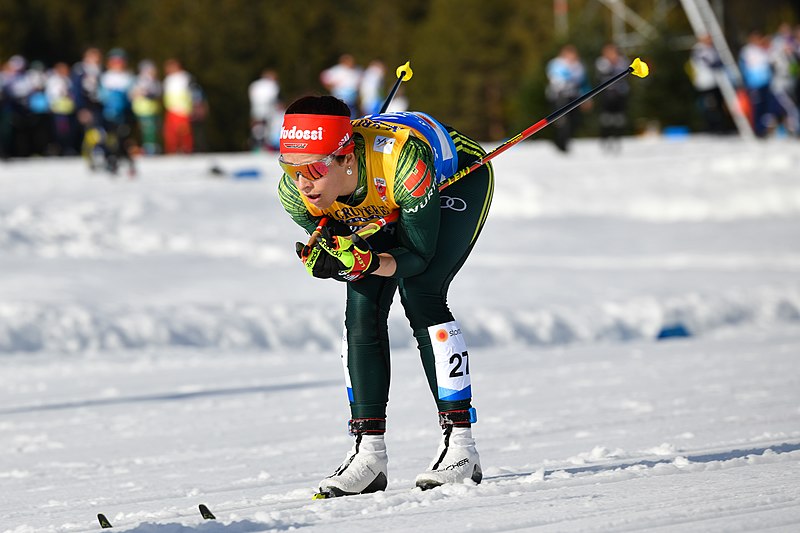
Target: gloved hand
(352, 253)
(317, 262)
(309, 254)
(338, 254)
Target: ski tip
(104, 523)
(322, 496)
(206, 513)
(640, 68)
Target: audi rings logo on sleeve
(452, 202)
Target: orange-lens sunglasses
(312, 170)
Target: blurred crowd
(770, 91)
(568, 79)
(99, 108)
(361, 88)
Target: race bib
(452, 362)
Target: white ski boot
(364, 469)
(456, 459)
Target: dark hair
(319, 105)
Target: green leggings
(464, 207)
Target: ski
(205, 512)
(208, 515)
(327, 494)
(104, 523)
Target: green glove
(352, 255)
(338, 257)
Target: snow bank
(32, 327)
(721, 215)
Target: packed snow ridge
(78, 328)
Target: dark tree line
(478, 65)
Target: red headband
(315, 134)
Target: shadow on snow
(711, 457)
(168, 397)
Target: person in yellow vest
(379, 176)
(146, 101)
(177, 109)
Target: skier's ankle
(366, 426)
(458, 418)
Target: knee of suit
(424, 309)
(364, 329)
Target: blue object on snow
(676, 133)
(673, 331)
(247, 174)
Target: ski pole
(317, 232)
(404, 73)
(369, 229)
(637, 68)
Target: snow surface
(161, 347)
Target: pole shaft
(389, 98)
(552, 117)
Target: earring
(349, 171)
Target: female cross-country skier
(379, 176)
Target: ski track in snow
(546, 488)
(156, 352)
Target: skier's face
(320, 186)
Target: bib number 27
(459, 363)
(452, 362)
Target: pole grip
(404, 73)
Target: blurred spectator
(39, 119)
(263, 95)
(274, 132)
(399, 103)
(178, 109)
(198, 117)
(62, 106)
(85, 87)
(566, 78)
(5, 115)
(613, 102)
(704, 62)
(371, 87)
(116, 84)
(16, 91)
(756, 68)
(146, 103)
(784, 60)
(342, 81)
(796, 41)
